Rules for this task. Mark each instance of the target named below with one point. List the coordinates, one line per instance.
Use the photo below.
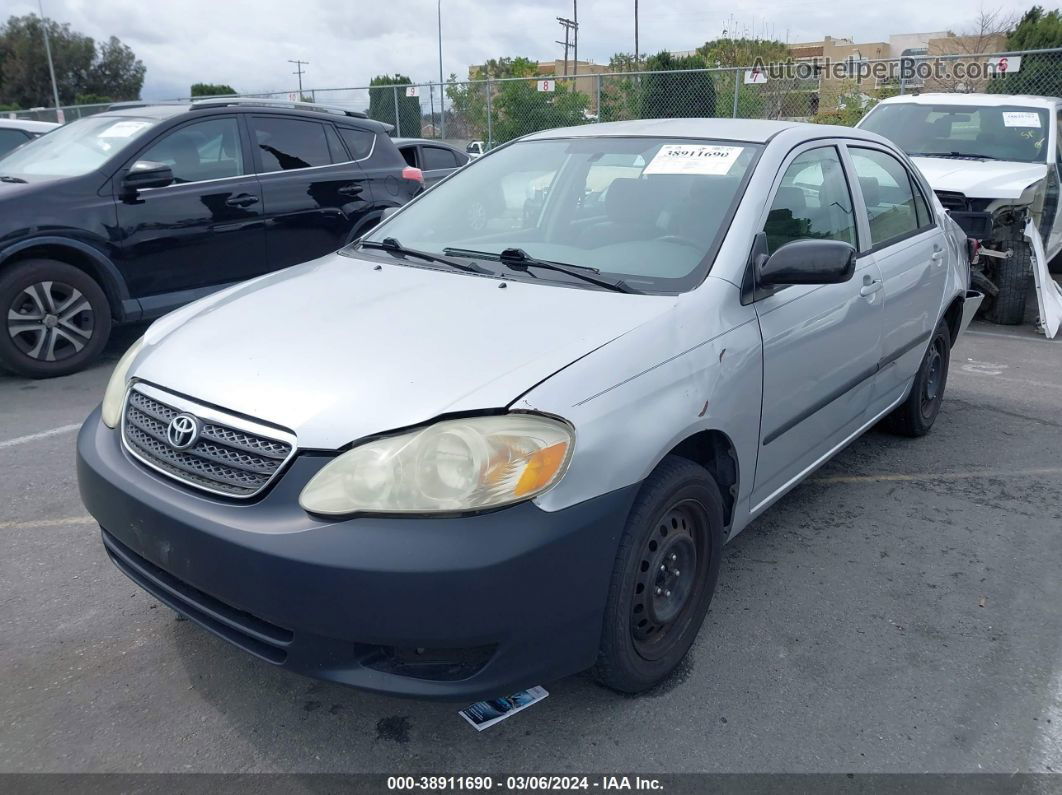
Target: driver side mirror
(807, 262)
(146, 174)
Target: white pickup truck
(987, 156)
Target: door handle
(870, 287)
(937, 256)
(351, 190)
(243, 200)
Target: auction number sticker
(124, 129)
(1021, 119)
(708, 159)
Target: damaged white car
(994, 161)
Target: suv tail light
(409, 172)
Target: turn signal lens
(452, 466)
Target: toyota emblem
(182, 432)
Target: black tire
(676, 521)
(1012, 278)
(67, 319)
(916, 415)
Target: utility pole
(299, 71)
(51, 67)
(569, 26)
(636, 35)
(442, 88)
(575, 24)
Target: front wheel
(56, 319)
(1012, 278)
(663, 578)
(916, 415)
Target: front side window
(288, 144)
(647, 211)
(888, 194)
(812, 202)
(74, 149)
(201, 151)
(1014, 133)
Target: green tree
(466, 115)
(212, 90)
(382, 100)
(520, 108)
(676, 95)
(742, 51)
(1040, 73)
(81, 67)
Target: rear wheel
(916, 415)
(1012, 278)
(664, 577)
(56, 319)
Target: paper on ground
(484, 714)
(1048, 293)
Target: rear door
(203, 230)
(911, 252)
(313, 191)
(821, 343)
(438, 162)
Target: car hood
(980, 179)
(336, 349)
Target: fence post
(490, 113)
(398, 119)
(737, 88)
(597, 96)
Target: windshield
(1018, 134)
(647, 211)
(74, 149)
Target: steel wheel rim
(934, 380)
(672, 568)
(50, 321)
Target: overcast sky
(247, 43)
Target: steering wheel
(680, 240)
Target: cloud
(247, 44)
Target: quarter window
(288, 144)
(204, 150)
(359, 142)
(812, 202)
(888, 195)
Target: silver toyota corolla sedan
(454, 460)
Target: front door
(313, 191)
(821, 343)
(206, 228)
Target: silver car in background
(458, 459)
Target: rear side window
(813, 202)
(888, 194)
(435, 157)
(359, 142)
(288, 144)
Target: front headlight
(111, 410)
(454, 465)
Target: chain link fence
(494, 111)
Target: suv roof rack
(139, 103)
(221, 102)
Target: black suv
(127, 214)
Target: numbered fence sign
(755, 76)
(412, 91)
(547, 85)
(1005, 64)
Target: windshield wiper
(392, 245)
(954, 154)
(518, 259)
(18, 180)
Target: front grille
(224, 460)
(953, 201)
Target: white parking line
(1019, 337)
(35, 523)
(42, 435)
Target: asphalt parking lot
(900, 612)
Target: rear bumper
(505, 600)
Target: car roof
(167, 110)
(750, 130)
(28, 124)
(988, 100)
(407, 141)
